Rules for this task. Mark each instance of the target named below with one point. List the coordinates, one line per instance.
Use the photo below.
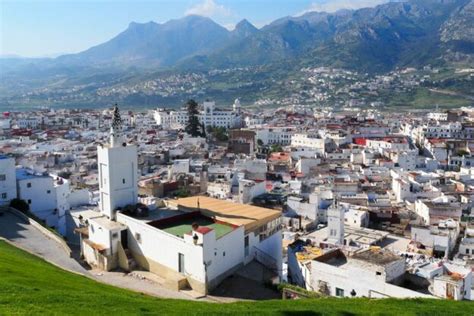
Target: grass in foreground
(29, 285)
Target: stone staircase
(132, 264)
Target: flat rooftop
(361, 235)
(378, 257)
(182, 224)
(25, 174)
(236, 214)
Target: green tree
(20, 205)
(276, 148)
(193, 127)
(219, 133)
(182, 192)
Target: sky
(38, 28)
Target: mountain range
(373, 40)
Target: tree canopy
(194, 127)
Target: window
(138, 237)
(49, 191)
(29, 201)
(114, 235)
(2, 177)
(467, 251)
(4, 196)
(180, 263)
(246, 245)
(28, 185)
(123, 181)
(378, 273)
(223, 254)
(339, 292)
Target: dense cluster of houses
(344, 203)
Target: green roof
(183, 226)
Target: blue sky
(33, 28)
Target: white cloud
(229, 26)
(335, 5)
(209, 8)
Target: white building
(369, 273)
(393, 144)
(249, 189)
(49, 196)
(310, 142)
(405, 159)
(438, 116)
(118, 173)
(454, 284)
(37, 189)
(7, 180)
(180, 166)
(254, 169)
(356, 218)
(274, 135)
(308, 209)
(304, 165)
(433, 212)
(336, 224)
(466, 247)
(441, 238)
(32, 122)
(253, 121)
(5, 124)
(219, 189)
(210, 115)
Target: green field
(422, 98)
(29, 285)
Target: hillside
(153, 44)
(376, 41)
(29, 285)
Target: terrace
(182, 224)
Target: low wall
(42, 229)
(173, 280)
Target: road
(27, 237)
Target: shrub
(20, 205)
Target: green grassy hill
(29, 285)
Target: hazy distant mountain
(371, 39)
(155, 44)
(244, 29)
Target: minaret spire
(116, 128)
